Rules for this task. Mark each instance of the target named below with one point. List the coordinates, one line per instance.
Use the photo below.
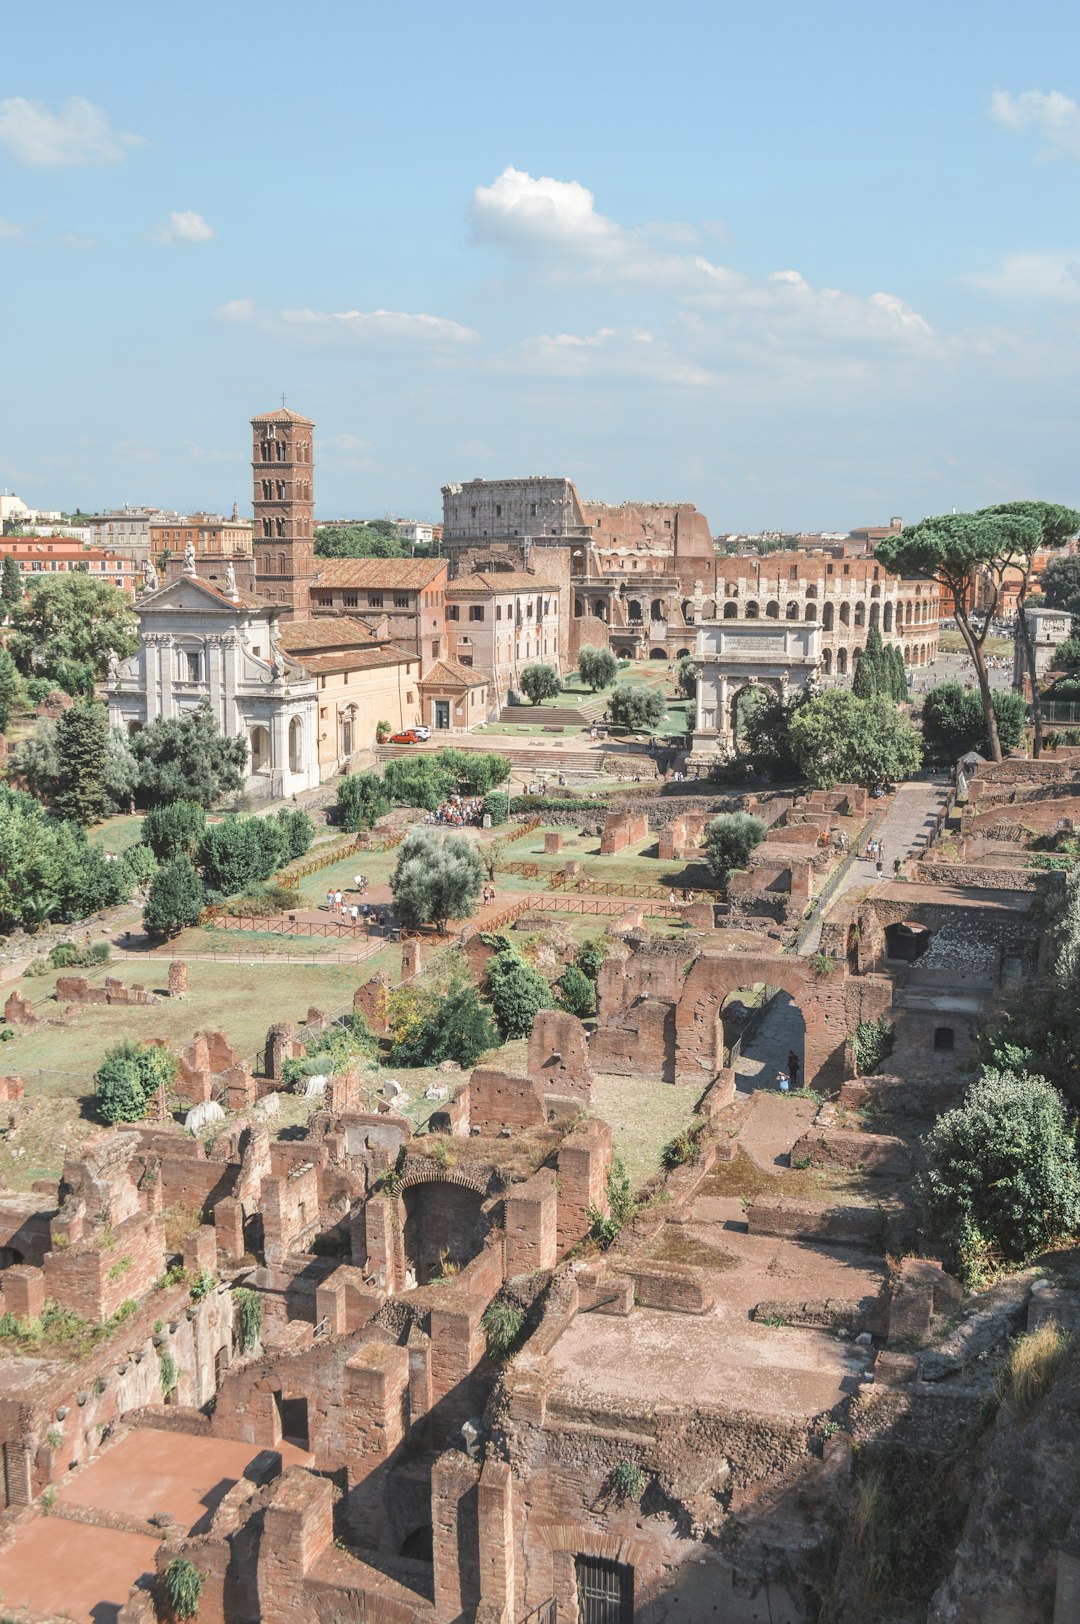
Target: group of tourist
(459, 812)
(347, 912)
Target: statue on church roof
(230, 581)
(149, 576)
(189, 557)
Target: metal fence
(1061, 711)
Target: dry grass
(743, 1177)
(1030, 1366)
(677, 1245)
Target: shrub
(183, 1587)
(175, 898)
(684, 1147)
(128, 1077)
(476, 771)
(266, 900)
(590, 956)
(417, 781)
(70, 956)
(627, 1481)
(249, 1309)
(1002, 1179)
(497, 806)
(554, 803)
(517, 993)
(729, 840)
(237, 853)
(362, 799)
(621, 1206)
(427, 1026)
(872, 1042)
(297, 832)
(173, 830)
(168, 1374)
(576, 992)
(503, 1324)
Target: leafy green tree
(68, 628)
(362, 798)
(871, 675)
(357, 541)
(841, 739)
(1060, 583)
(418, 781)
(475, 771)
(1039, 526)
(174, 830)
(175, 898)
(953, 723)
(688, 674)
(188, 758)
(237, 853)
(297, 832)
(637, 707)
(539, 682)
(729, 840)
(590, 956)
(10, 587)
(517, 993)
(129, 1076)
(48, 871)
(497, 807)
(428, 1026)
(140, 866)
(765, 739)
(82, 734)
(1067, 656)
(597, 667)
(10, 688)
(577, 994)
(963, 552)
(36, 762)
(436, 878)
(1002, 1180)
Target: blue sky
(800, 264)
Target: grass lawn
(117, 834)
(629, 867)
(643, 1116)
(951, 642)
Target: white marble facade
(732, 657)
(196, 644)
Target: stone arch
(699, 1038)
(811, 591)
(259, 746)
(772, 610)
(656, 609)
(633, 611)
(753, 611)
(682, 654)
(579, 607)
(907, 653)
(657, 654)
(875, 590)
(860, 614)
(887, 618)
(296, 745)
(442, 1223)
(792, 611)
(875, 614)
(599, 609)
(826, 661)
(810, 612)
(731, 611)
(828, 617)
(841, 662)
(845, 614)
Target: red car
(410, 736)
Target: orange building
(60, 554)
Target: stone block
(24, 1291)
(559, 1055)
(177, 978)
(229, 1228)
(410, 960)
(200, 1249)
(553, 842)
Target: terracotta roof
(327, 632)
(354, 659)
(391, 574)
(452, 672)
(283, 416)
(500, 581)
(241, 601)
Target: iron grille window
(605, 1591)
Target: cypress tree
(82, 737)
(10, 587)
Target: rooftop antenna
(283, 399)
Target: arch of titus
(735, 656)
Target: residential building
(211, 535)
(868, 535)
(409, 592)
(127, 530)
(417, 532)
(500, 622)
(455, 697)
(58, 555)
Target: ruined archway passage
(443, 1230)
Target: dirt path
(772, 1126)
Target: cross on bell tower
(284, 540)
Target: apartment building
(409, 592)
(60, 554)
(498, 623)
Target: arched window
(260, 750)
(875, 591)
(280, 490)
(827, 615)
(845, 614)
(826, 662)
(752, 611)
(282, 452)
(268, 527)
(267, 490)
(875, 614)
(792, 612)
(811, 591)
(811, 612)
(731, 611)
(841, 662)
(656, 610)
(772, 610)
(599, 609)
(886, 619)
(860, 613)
(633, 612)
(281, 563)
(579, 608)
(296, 746)
(279, 527)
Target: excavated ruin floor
(59, 1569)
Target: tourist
(360, 883)
(354, 913)
(338, 900)
(896, 865)
(879, 868)
(329, 902)
(783, 1082)
(793, 1068)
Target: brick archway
(699, 1032)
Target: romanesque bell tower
(284, 540)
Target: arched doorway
(657, 654)
(633, 612)
(763, 1035)
(841, 662)
(260, 750)
(444, 1228)
(743, 703)
(752, 610)
(296, 745)
(731, 611)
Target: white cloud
(79, 133)
(8, 228)
(1033, 276)
(525, 214)
(185, 226)
(1050, 114)
(378, 326)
